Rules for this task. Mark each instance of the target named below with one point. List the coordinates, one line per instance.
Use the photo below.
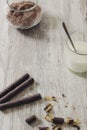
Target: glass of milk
(77, 61)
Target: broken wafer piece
(57, 128)
(49, 117)
(58, 120)
(48, 108)
(71, 121)
(44, 128)
(31, 119)
(50, 98)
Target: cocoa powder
(24, 18)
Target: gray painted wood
(41, 52)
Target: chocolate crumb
(66, 106)
(73, 107)
(63, 95)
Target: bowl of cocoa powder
(23, 14)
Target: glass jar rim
(25, 10)
(76, 52)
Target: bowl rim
(25, 10)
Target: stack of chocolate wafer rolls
(11, 91)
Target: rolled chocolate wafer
(31, 119)
(14, 85)
(15, 91)
(44, 128)
(58, 120)
(20, 102)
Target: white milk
(75, 62)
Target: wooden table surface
(40, 51)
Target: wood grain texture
(40, 51)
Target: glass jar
(23, 14)
(77, 61)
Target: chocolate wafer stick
(15, 91)
(31, 119)
(14, 85)
(27, 100)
